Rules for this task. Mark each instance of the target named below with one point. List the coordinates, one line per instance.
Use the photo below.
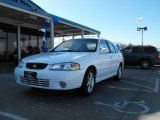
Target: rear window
(126, 50)
(91, 46)
(149, 50)
(135, 50)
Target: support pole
(142, 37)
(19, 39)
(98, 35)
(82, 34)
(63, 39)
(52, 33)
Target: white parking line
(137, 84)
(142, 79)
(108, 105)
(12, 116)
(131, 89)
(103, 104)
(156, 86)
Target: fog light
(62, 84)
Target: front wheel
(88, 84)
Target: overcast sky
(115, 19)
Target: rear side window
(148, 50)
(126, 50)
(112, 48)
(91, 46)
(103, 44)
(136, 50)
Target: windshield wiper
(73, 51)
(63, 51)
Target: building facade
(20, 35)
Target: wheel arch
(92, 67)
(146, 59)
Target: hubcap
(145, 64)
(90, 83)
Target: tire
(145, 64)
(88, 84)
(118, 77)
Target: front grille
(35, 82)
(36, 65)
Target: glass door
(3, 45)
(8, 47)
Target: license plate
(30, 75)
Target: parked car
(145, 56)
(76, 63)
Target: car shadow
(139, 68)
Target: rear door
(104, 63)
(115, 58)
(135, 55)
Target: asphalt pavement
(135, 97)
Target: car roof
(139, 46)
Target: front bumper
(48, 79)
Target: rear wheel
(88, 82)
(118, 77)
(145, 64)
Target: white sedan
(76, 63)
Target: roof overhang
(14, 11)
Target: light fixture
(143, 29)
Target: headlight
(21, 64)
(65, 66)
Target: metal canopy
(34, 15)
(62, 29)
(19, 16)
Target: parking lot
(135, 97)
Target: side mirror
(104, 51)
(118, 47)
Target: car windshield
(77, 45)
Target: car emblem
(34, 66)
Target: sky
(115, 19)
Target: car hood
(55, 57)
